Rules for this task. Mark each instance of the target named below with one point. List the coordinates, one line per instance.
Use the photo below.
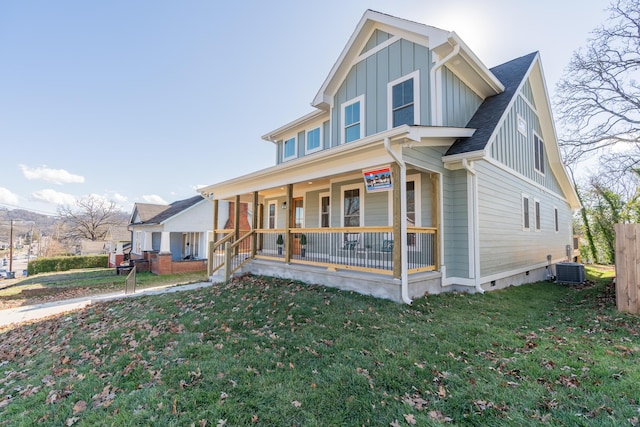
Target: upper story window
(403, 95)
(313, 140)
(538, 153)
(353, 119)
(289, 149)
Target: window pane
(352, 133)
(352, 208)
(352, 114)
(324, 214)
(402, 94)
(313, 139)
(411, 203)
(289, 147)
(272, 216)
(403, 116)
(525, 208)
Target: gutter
(474, 225)
(435, 92)
(404, 266)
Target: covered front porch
(358, 217)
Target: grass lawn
(75, 283)
(265, 352)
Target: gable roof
(118, 233)
(490, 113)
(156, 214)
(442, 42)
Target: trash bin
(11, 274)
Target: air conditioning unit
(569, 272)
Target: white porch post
(165, 246)
(119, 248)
(148, 242)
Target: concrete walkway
(37, 311)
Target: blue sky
(145, 100)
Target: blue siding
(460, 102)
(376, 38)
(456, 224)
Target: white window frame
(416, 97)
(306, 142)
(417, 179)
(344, 188)
(343, 130)
(295, 148)
(541, 155)
(320, 197)
(139, 242)
(537, 215)
(521, 125)
(526, 213)
(275, 214)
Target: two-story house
(420, 170)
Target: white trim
(284, 148)
(275, 214)
(525, 227)
(417, 179)
(391, 40)
(306, 140)
(415, 75)
(504, 274)
(471, 241)
(542, 169)
(343, 132)
(344, 188)
(320, 197)
(537, 215)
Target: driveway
(38, 311)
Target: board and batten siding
(370, 77)
(504, 244)
(516, 150)
(456, 224)
(459, 102)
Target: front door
(297, 221)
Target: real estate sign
(378, 179)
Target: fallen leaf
(296, 403)
(80, 406)
(71, 421)
(410, 419)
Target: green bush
(46, 265)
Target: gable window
(325, 205)
(352, 119)
(525, 212)
(538, 153)
(537, 208)
(272, 216)
(522, 125)
(403, 95)
(313, 140)
(289, 149)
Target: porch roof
(364, 153)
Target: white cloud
(7, 197)
(155, 199)
(119, 198)
(55, 176)
(54, 197)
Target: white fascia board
(478, 65)
(274, 135)
(450, 161)
(369, 21)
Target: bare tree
(90, 220)
(598, 100)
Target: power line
(29, 209)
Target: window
(538, 153)
(272, 216)
(351, 212)
(313, 140)
(537, 207)
(522, 125)
(289, 149)
(403, 95)
(352, 122)
(190, 245)
(525, 212)
(411, 211)
(325, 213)
(556, 223)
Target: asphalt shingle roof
(491, 110)
(155, 214)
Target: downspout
(474, 223)
(435, 108)
(404, 266)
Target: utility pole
(11, 248)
